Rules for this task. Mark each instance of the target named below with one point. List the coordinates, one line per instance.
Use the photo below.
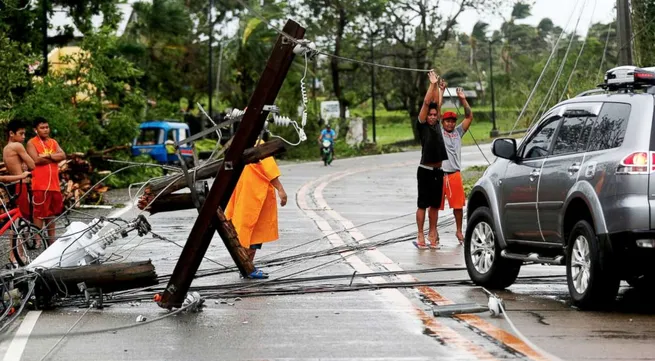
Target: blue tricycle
(157, 139)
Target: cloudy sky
(561, 12)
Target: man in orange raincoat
(253, 207)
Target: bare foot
(460, 237)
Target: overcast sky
(559, 11)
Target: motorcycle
(326, 152)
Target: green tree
(417, 32)
(161, 42)
(643, 12)
(95, 102)
(15, 61)
(23, 19)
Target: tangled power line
(288, 283)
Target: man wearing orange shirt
(46, 191)
(253, 207)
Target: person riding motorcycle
(329, 135)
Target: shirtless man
(18, 163)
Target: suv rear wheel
(591, 280)
(484, 263)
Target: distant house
(450, 97)
(60, 20)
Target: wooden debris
(75, 174)
(109, 277)
(164, 186)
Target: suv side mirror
(504, 148)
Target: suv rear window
(610, 126)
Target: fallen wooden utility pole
(167, 185)
(108, 277)
(209, 220)
(231, 239)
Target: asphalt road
(358, 200)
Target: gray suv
(578, 191)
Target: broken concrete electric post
(82, 245)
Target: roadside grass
(394, 127)
(471, 175)
(393, 133)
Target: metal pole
(373, 88)
(211, 65)
(44, 32)
(494, 130)
(316, 114)
(624, 28)
(218, 73)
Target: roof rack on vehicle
(628, 78)
(591, 92)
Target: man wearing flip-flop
(453, 186)
(253, 206)
(429, 175)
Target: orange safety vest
(45, 177)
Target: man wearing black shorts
(429, 174)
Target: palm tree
(520, 11)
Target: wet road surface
(342, 204)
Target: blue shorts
(256, 246)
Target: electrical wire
(607, 41)
(575, 65)
(516, 330)
(296, 41)
(285, 121)
(114, 329)
(91, 189)
(551, 91)
(66, 334)
(543, 71)
(469, 130)
(336, 232)
(20, 310)
(157, 236)
(218, 131)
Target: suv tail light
(637, 163)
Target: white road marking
(468, 349)
(18, 343)
(380, 258)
